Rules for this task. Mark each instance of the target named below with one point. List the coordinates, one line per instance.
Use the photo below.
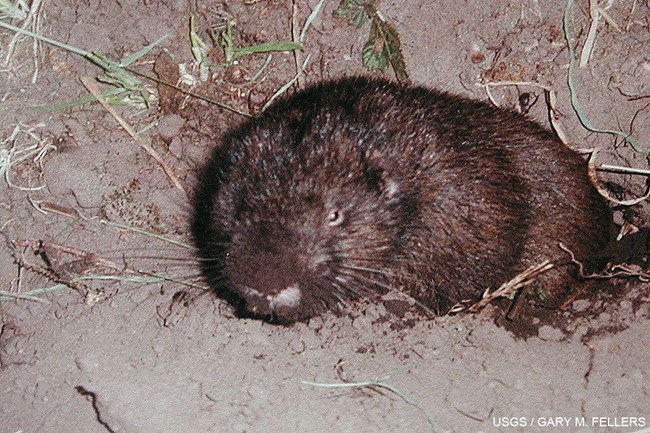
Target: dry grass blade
(509, 289)
(86, 261)
(287, 85)
(550, 102)
(10, 295)
(595, 11)
(377, 385)
(301, 37)
(92, 88)
(622, 270)
(47, 207)
(625, 170)
(32, 295)
(16, 151)
(30, 17)
(591, 172)
(575, 102)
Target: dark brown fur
(359, 186)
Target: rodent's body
(360, 186)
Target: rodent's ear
(380, 175)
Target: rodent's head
(287, 230)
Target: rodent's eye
(335, 218)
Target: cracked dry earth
(145, 349)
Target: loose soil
(145, 349)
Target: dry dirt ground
(122, 342)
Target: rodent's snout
(271, 280)
(283, 305)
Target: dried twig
(92, 88)
(620, 270)
(509, 289)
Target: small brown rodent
(354, 187)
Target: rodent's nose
(287, 298)
(281, 304)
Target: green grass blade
(141, 53)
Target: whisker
(399, 293)
(345, 289)
(376, 282)
(371, 270)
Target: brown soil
(119, 354)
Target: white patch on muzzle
(287, 298)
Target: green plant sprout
(383, 48)
(128, 88)
(199, 51)
(232, 53)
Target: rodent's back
(543, 186)
(359, 185)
